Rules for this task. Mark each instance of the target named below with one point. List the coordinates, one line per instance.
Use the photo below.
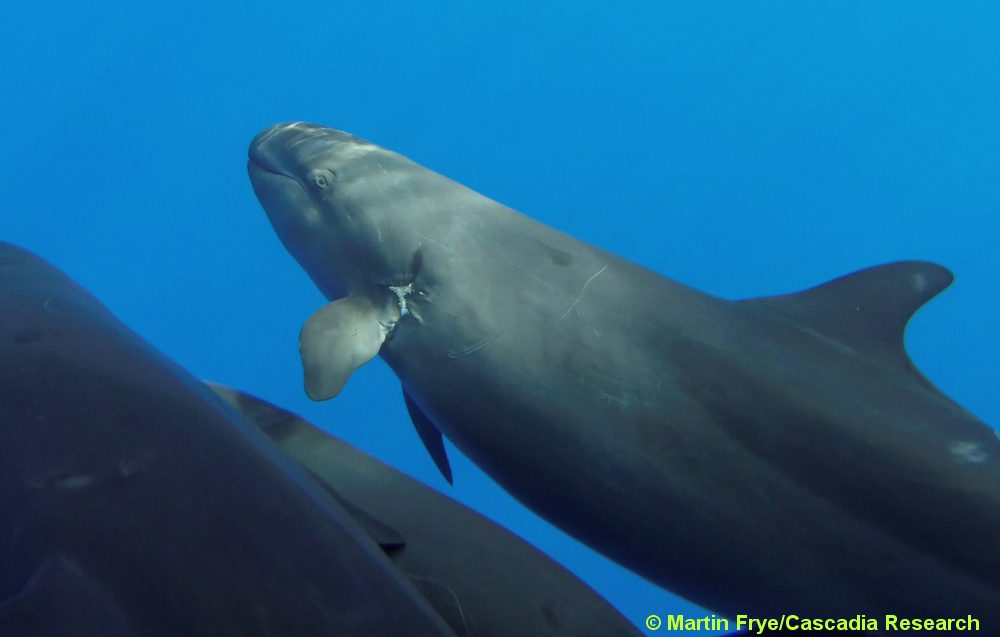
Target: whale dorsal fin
(312, 449)
(385, 535)
(867, 310)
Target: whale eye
(322, 179)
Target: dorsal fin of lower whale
(283, 427)
(387, 537)
(867, 310)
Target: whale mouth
(281, 194)
(271, 148)
(260, 171)
(265, 150)
(269, 156)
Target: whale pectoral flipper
(339, 338)
(430, 435)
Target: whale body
(767, 455)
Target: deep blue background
(743, 149)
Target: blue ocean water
(744, 149)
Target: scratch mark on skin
(579, 296)
(965, 451)
(454, 600)
(474, 348)
(622, 403)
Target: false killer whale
(484, 580)
(135, 502)
(769, 455)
